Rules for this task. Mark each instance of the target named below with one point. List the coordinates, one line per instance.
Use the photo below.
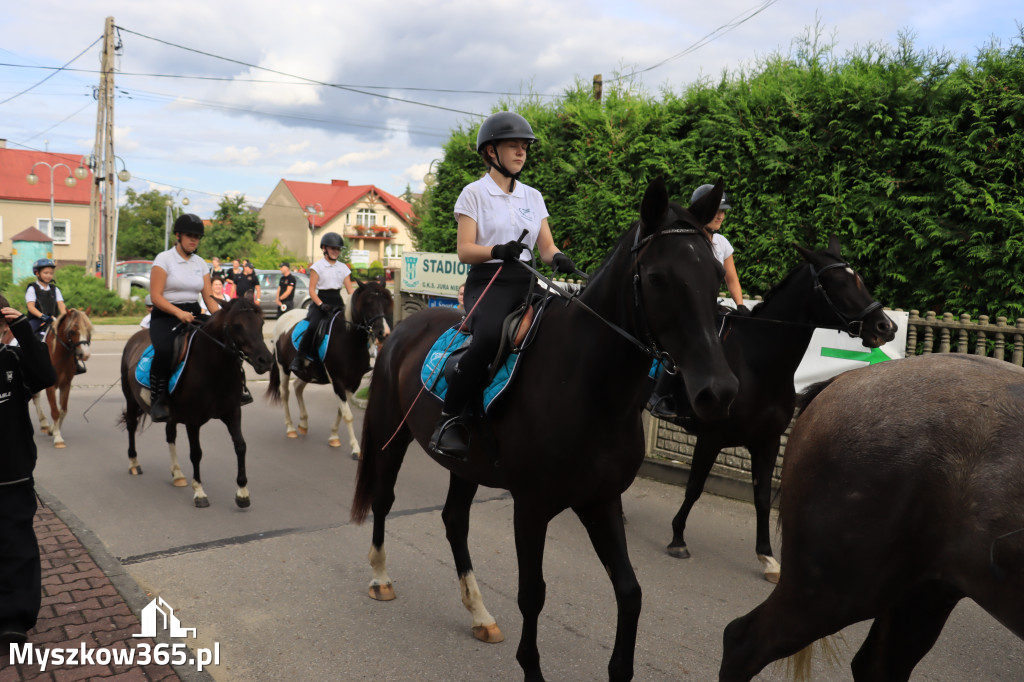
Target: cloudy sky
(368, 91)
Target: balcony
(378, 232)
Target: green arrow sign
(875, 356)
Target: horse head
(241, 320)
(373, 308)
(842, 296)
(676, 279)
(73, 331)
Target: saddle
(182, 343)
(321, 335)
(518, 331)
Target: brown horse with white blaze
(69, 340)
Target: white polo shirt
(721, 246)
(502, 217)
(184, 276)
(332, 276)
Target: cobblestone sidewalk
(80, 606)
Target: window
(384, 220)
(61, 232)
(366, 217)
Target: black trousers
(162, 335)
(506, 293)
(314, 315)
(20, 573)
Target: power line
(303, 78)
(52, 74)
(80, 110)
(735, 22)
(230, 79)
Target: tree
(140, 225)
(234, 231)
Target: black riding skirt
(161, 335)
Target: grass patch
(116, 319)
(363, 393)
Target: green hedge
(914, 158)
(79, 290)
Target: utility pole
(598, 86)
(103, 199)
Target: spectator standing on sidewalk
(25, 369)
(286, 289)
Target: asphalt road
(282, 586)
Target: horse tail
(810, 393)
(366, 475)
(273, 394)
(798, 666)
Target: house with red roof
(297, 214)
(24, 205)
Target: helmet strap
(497, 165)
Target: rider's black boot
(451, 436)
(158, 409)
(246, 396)
(662, 403)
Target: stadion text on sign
(436, 274)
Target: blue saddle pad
(300, 330)
(432, 373)
(146, 363)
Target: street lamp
(102, 247)
(33, 179)
(168, 216)
(313, 211)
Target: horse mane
(77, 318)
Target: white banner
(439, 274)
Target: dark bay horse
(902, 494)
(369, 317)
(764, 351)
(210, 387)
(568, 432)
(69, 340)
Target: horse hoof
(772, 577)
(382, 592)
(59, 446)
(202, 502)
(135, 471)
(772, 569)
(678, 552)
(292, 434)
(334, 442)
(303, 430)
(491, 634)
(180, 482)
(242, 502)
(357, 456)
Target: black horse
(764, 351)
(902, 490)
(210, 387)
(568, 432)
(346, 361)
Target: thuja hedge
(913, 158)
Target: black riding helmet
(331, 239)
(504, 125)
(189, 223)
(704, 189)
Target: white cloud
(245, 156)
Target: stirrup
(246, 396)
(451, 439)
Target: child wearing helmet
(178, 278)
(43, 298)
(327, 276)
(491, 214)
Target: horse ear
(652, 208)
(833, 246)
(806, 253)
(705, 208)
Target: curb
(133, 595)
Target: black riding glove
(562, 263)
(507, 252)
(741, 310)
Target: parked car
(269, 280)
(137, 272)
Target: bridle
(66, 343)
(851, 324)
(651, 346)
(367, 323)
